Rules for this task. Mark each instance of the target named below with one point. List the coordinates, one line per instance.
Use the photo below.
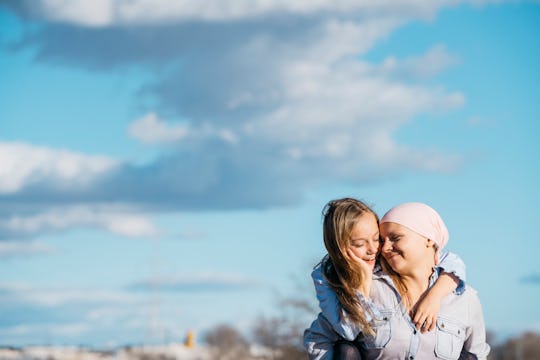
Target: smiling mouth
(391, 255)
(370, 260)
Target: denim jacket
(460, 331)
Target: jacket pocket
(383, 332)
(450, 339)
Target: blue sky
(163, 167)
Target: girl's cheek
(356, 251)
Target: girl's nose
(386, 246)
(373, 247)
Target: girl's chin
(371, 263)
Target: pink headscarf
(421, 219)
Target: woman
(391, 332)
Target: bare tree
(283, 333)
(227, 343)
(524, 347)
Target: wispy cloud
(12, 249)
(53, 329)
(196, 283)
(25, 166)
(150, 129)
(108, 12)
(429, 64)
(19, 293)
(119, 220)
(39, 314)
(530, 279)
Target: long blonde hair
(400, 285)
(344, 275)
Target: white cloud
(10, 249)
(22, 293)
(150, 129)
(51, 297)
(86, 13)
(314, 98)
(282, 103)
(427, 65)
(337, 40)
(342, 108)
(23, 165)
(53, 329)
(193, 282)
(129, 225)
(109, 12)
(112, 218)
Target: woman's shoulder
(469, 294)
(463, 306)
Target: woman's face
(404, 249)
(364, 242)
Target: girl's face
(364, 242)
(404, 249)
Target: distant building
(190, 340)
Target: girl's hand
(426, 311)
(367, 273)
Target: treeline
(278, 337)
(280, 342)
(227, 343)
(523, 347)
